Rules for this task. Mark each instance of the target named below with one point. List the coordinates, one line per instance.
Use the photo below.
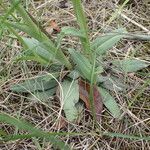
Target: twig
(138, 37)
(135, 23)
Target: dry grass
(135, 118)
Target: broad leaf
(70, 92)
(29, 55)
(110, 103)
(25, 28)
(113, 83)
(42, 96)
(73, 75)
(72, 31)
(40, 83)
(130, 65)
(36, 50)
(83, 65)
(84, 90)
(104, 43)
(101, 79)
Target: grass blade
(9, 11)
(23, 125)
(83, 26)
(125, 136)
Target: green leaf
(37, 50)
(81, 20)
(127, 136)
(70, 92)
(72, 31)
(113, 83)
(110, 103)
(40, 83)
(8, 11)
(42, 96)
(16, 122)
(23, 125)
(73, 74)
(83, 65)
(28, 55)
(104, 43)
(101, 79)
(32, 28)
(47, 44)
(25, 28)
(99, 69)
(130, 65)
(24, 14)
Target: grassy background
(135, 102)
